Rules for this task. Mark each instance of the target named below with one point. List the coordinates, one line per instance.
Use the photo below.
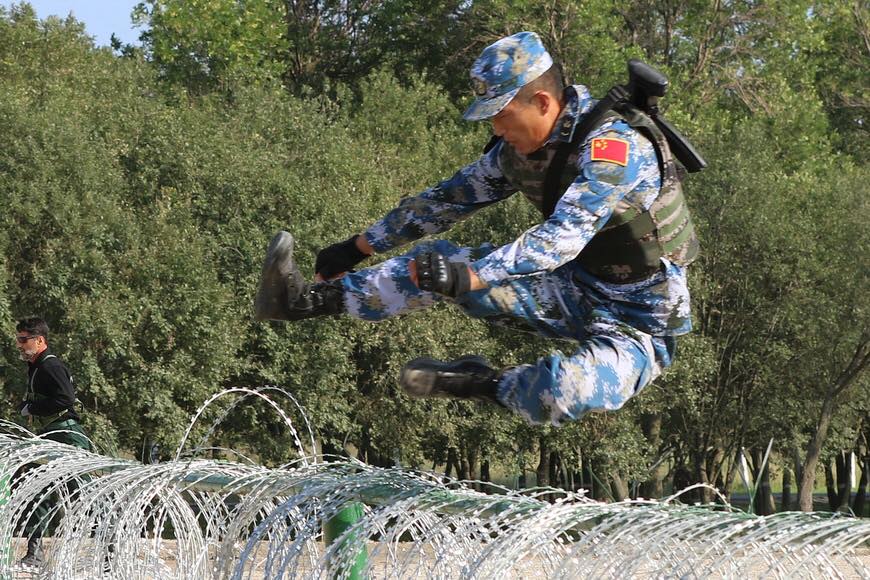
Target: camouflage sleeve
(583, 209)
(473, 187)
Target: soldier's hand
(338, 258)
(435, 273)
(24, 409)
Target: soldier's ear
(543, 102)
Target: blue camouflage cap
(502, 69)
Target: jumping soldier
(605, 267)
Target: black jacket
(49, 380)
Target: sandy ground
(413, 565)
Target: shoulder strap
(592, 119)
(36, 370)
(493, 141)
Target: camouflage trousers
(611, 363)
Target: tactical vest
(632, 242)
(630, 245)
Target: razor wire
(193, 518)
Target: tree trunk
(564, 473)
(473, 454)
(619, 486)
(380, 459)
(368, 454)
(653, 487)
(463, 462)
(452, 463)
(484, 470)
(730, 478)
(720, 485)
(844, 479)
(859, 362)
(715, 460)
(798, 469)
(814, 450)
(831, 487)
(682, 480)
(577, 476)
(860, 500)
(701, 476)
(328, 449)
(554, 469)
(439, 456)
(785, 502)
(601, 485)
(543, 470)
(363, 448)
(763, 499)
(586, 479)
(151, 451)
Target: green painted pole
(336, 526)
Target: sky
(101, 17)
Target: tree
(205, 45)
(841, 77)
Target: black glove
(338, 258)
(436, 273)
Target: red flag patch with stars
(615, 150)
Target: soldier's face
(527, 125)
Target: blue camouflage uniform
(624, 331)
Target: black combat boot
(285, 295)
(468, 377)
(34, 557)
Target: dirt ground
(413, 566)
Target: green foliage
(842, 71)
(203, 44)
(139, 191)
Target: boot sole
(419, 377)
(270, 302)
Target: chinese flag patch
(615, 150)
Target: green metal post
(336, 526)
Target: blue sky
(101, 17)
